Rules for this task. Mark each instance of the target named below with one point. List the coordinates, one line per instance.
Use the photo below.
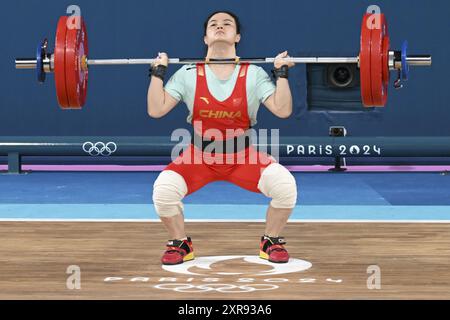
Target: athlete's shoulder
(184, 74)
(258, 72)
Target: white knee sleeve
(168, 191)
(278, 183)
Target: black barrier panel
(291, 147)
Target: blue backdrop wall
(116, 102)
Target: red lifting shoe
(271, 248)
(178, 251)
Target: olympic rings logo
(99, 148)
(219, 287)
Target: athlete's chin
(222, 42)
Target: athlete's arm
(280, 102)
(159, 102)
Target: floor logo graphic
(241, 285)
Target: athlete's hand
(280, 61)
(161, 59)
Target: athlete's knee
(278, 183)
(168, 191)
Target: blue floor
(127, 195)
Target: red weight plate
(379, 90)
(364, 63)
(59, 63)
(76, 75)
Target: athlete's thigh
(194, 171)
(247, 174)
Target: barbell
(70, 63)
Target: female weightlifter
(222, 98)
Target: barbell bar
(414, 60)
(70, 63)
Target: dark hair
(236, 20)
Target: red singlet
(197, 167)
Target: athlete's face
(221, 28)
